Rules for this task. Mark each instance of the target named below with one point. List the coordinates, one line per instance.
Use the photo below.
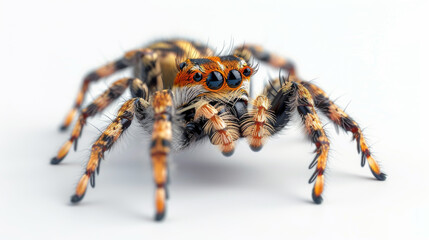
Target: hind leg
(104, 143)
(130, 58)
(344, 121)
(337, 116)
(97, 106)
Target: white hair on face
(245, 86)
(184, 95)
(242, 63)
(221, 66)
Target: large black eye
(198, 77)
(182, 65)
(234, 79)
(247, 72)
(214, 80)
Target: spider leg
(130, 58)
(343, 120)
(292, 95)
(93, 76)
(256, 124)
(248, 51)
(98, 105)
(105, 142)
(160, 147)
(150, 70)
(314, 129)
(338, 117)
(221, 126)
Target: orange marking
(321, 162)
(161, 101)
(79, 97)
(93, 159)
(312, 122)
(81, 186)
(277, 61)
(218, 123)
(336, 113)
(373, 165)
(159, 162)
(206, 110)
(106, 70)
(70, 116)
(261, 101)
(225, 136)
(64, 149)
(161, 130)
(77, 128)
(362, 143)
(318, 186)
(160, 200)
(256, 129)
(227, 147)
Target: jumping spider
(180, 103)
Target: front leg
(291, 96)
(221, 126)
(256, 125)
(346, 122)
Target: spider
(181, 92)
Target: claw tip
(55, 160)
(317, 199)
(75, 198)
(159, 216)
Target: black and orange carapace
(182, 93)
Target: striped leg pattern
(93, 76)
(104, 142)
(255, 124)
(220, 126)
(160, 147)
(314, 129)
(98, 105)
(343, 120)
(130, 59)
(150, 69)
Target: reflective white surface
(371, 55)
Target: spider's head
(224, 77)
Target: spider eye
(198, 77)
(182, 65)
(247, 72)
(215, 80)
(234, 79)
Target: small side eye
(247, 72)
(182, 65)
(234, 79)
(198, 77)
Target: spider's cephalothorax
(181, 93)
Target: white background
(371, 56)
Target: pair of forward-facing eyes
(215, 79)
